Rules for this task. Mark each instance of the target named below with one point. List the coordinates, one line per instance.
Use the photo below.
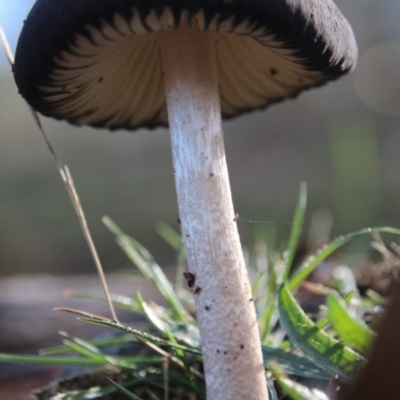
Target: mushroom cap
(97, 62)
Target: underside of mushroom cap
(97, 62)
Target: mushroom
(129, 64)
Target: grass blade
(56, 361)
(351, 330)
(186, 333)
(272, 395)
(139, 361)
(124, 391)
(174, 239)
(118, 300)
(325, 320)
(103, 342)
(144, 336)
(152, 395)
(295, 232)
(170, 236)
(92, 352)
(149, 268)
(268, 315)
(295, 364)
(96, 392)
(316, 343)
(294, 390)
(308, 267)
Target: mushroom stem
(225, 310)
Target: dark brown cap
(97, 62)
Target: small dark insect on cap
(97, 62)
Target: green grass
(165, 361)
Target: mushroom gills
(112, 76)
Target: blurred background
(343, 140)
